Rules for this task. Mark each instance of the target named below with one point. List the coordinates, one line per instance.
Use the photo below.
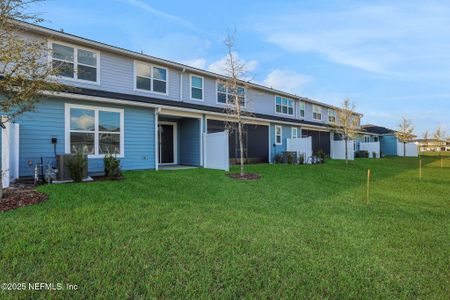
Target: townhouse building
(153, 112)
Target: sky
(391, 58)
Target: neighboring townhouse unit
(386, 137)
(389, 144)
(153, 112)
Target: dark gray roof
(377, 129)
(151, 100)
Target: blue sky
(392, 58)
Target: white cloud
(150, 9)
(168, 46)
(219, 66)
(199, 63)
(286, 80)
(401, 38)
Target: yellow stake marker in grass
(368, 186)
(420, 169)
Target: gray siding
(117, 75)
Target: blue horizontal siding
(47, 121)
(189, 141)
(286, 133)
(388, 145)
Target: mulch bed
(246, 176)
(19, 195)
(104, 178)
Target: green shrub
(112, 166)
(301, 159)
(321, 155)
(77, 165)
(362, 153)
(291, 158)
(278, 158)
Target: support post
(420, 169)
(368, 186)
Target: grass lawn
(299, 232)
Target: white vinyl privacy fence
(338, 150)
(371, 147)
(412, 149)
(10, 153)
(216, 154)
(301, 146)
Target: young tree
(347, 123)
(234, 89)
(426, 141)
(439, 136)
(405, 133)
(24, 69)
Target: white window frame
(75, 61)
(331, 112)
(294, 129)
(281, 134)
(226, 95)
(287, 107)
(190, 89)
(318, 110)
(96, 132)
(151, 66)
(302, 107)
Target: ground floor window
(294, 133)
(95, 131)
(278, 135)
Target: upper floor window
(151, 78)
(75, 63)
(302, 109)
(94, 130)
(196, 87)
(284, 105)
(226, 94)
(317, 112)
(331, 116)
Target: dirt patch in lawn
(19, 195)
(246, 176)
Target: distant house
(386, 137)
(433, 145)
(389, 144)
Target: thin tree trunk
(346, 152)
(404, 149)
(241, 147)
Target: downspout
(157, 111)
(181, 83)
